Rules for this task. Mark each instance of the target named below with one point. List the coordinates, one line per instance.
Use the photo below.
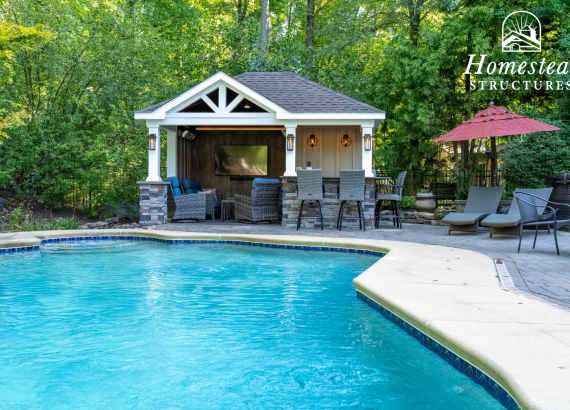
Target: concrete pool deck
(452, 295)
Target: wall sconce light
(151, 142)
(345, 141)
(367, 142)
(290, 142)
(312, 140)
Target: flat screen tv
(241, 159)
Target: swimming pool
(146, 325)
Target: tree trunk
(242, 9)
(310, 35)
(414, 16)
(265, 26)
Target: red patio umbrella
(495, 122)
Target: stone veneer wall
(330, 205)
(152, 196)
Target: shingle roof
(152, 108)
(295, 94)
(299, 95)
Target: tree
(265, 26)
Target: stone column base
(152, 197)
(329, 205)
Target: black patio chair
(530, 215)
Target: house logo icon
(521, 33)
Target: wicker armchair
(392, 194)
(310, 188)
(263, 206)
(211, 198)
(352, 186)
(185, 207)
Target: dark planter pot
(560, 193)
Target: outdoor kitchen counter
(330, 204)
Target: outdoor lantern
(345, 141)
(367, 142)
(246, 106)
(152, 142)
(312, 140)
(32, 177)
(290, 141)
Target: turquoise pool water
(130, 325)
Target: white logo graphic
(521, 33)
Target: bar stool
(310, 189)
(352, 187)
(393, 197)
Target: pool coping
(447, 298)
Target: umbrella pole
(493, 161)
(456, 154)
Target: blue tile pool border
(192, 242)
(20, 249)
(475, 374)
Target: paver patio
(539, 272)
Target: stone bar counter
(330, 205)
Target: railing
(445, 185)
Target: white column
(290, 165)
(366, 155)
(171, 154)
(154, 157)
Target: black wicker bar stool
(352, 186)
(393, 195)
(310, 189)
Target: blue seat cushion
(218, 204)
(176, 191)
(175, 182)
(191, 186)
(262, 180)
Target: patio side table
(228, 208)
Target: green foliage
(528, 160)
(23, 222)
(73, 73)
(407, 202)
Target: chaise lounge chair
(508, 224)
(481, 202)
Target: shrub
(23, 223)
(407, 202)
(529, 160)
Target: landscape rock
(107, 210)
(133, 208)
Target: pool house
(275, 123)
